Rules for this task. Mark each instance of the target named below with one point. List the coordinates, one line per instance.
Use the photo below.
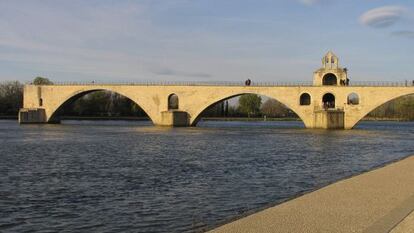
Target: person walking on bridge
(248, 82)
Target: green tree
(273, 108)
(216, 110)
(103, 103)
(400, 108)
(250, 104)
(11, 98)
(42, 81)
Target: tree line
(11, 98)
(401, 108)
(109, 104)
(102, 104)
(250, 105)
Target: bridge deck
(196, 97)
(237, 84)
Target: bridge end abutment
(32, 116)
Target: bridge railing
(185, 83)
(226, 83)
(381, 83)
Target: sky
(204, 40)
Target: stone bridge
(330, 102)
(306, 101)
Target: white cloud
(382, 17)
(309, 2)
(93, 41)
(314, 2)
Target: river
(119, 176)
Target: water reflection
(131, 176)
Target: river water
(107, 176)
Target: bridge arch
(328, 100)
(367, 110)
(196, 116)
(329, 79)
(53, 113)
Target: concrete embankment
(378, 201)
(406, 226)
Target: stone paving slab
(376, 201)
(406, 226)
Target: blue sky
(204, 40)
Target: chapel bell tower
(331, 74)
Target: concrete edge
(387, 218)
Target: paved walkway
(377, 201)
(406, 226)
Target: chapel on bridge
(330, 74)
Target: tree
(11, 98)
(400, 108)
(216, 110)
(42, 81)
(103, 103)
(250, 104)
(273, 108)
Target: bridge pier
(32, 116)
(329, 119)
(174, 118)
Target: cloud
(404, 33)
(382, 17)
(314, 2)
(171, 72)
(92, 41)
(309, 2)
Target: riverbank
(384, 119)
(8, 117)
(375, 201)
(105, 118)
(102, 118)
(248, 119)
(289, 119)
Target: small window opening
(172, 102)
(305, 99)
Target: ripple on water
(130, 176)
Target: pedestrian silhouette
(248, 82)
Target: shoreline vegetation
(244, 119)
